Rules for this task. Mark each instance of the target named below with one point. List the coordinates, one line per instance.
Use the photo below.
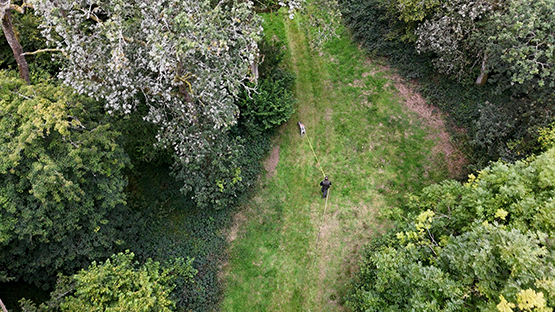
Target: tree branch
(21, 9)
(28, 98)
(432, 237)
(483, 78)
(3, 306)
(432, 249)
(45, 50)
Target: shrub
(118, 284)
(472, 247)
(270, 105)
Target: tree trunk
(3, 306)
(483, 78)
(8, 29)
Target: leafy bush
(272, 102)
(270, 105)
(509, 130)
(483, 245)
(162, 223)
(118, 284)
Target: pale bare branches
(45, 50)
(21, 8)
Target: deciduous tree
(513, 39)
(118, 284)
(454, 34)
(479, 246)
(524, 39)
(186, 59)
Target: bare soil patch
(377, 68)
(238, 220)
(435, 119)
(329, 113)
(272, 161)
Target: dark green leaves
(60, 176)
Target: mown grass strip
(374, 152)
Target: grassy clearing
(292, 250)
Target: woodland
(132, 133)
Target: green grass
(293, 250)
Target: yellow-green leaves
(501, 214)
(546, 169)
(411, 10)
(424, 220)
(121, 284)
(36, 110)
(504, 305)
(527, 300)
(481, 246)
(60, 177)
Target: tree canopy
(512, 38)
(118, 284)
(186, 59)
(60, 178)
(484, 245)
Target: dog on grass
(301, 126)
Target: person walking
(326, 183)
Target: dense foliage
(488, 64)
(484, 245)
(169, 224)
(227, 170)
(82, 179)
(187, 60)
(188, 87)
(272, 103)
(27, 28)
(60, 180)
(118, 284)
